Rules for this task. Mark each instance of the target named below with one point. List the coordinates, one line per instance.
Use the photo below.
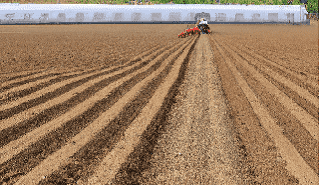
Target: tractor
(200, 28)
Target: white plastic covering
(126, 14)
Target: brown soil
(36, 47)
(282, 46)
(59, 81)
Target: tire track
(308, 121)
(54, 90)
(59, 157)
(57, 138)
(30, 113)
(14, 132)
(295, 163)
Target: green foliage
(313, 6)
(257, 2)
(276, 2)
(188, 1)
(178, 1)
(296, 2)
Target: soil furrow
(92, 152)
(296, 165)
(34, 76)
(242, 110)
(43, 92)
(278, 77)
(15, 132)
(138, 160)
(30, 113)
(24, 93)
(3, 89)
(35, 92)
(299, 113)
(261, 163)
(56, 90)
(110, 164)
(79, 140)
(308, 80)
(14, 76)
(301, 96)
(30, 89)
(188, 153)
(293, 130)
(38, 73)
(302, 102)
(58, 136)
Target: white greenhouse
(151, 14)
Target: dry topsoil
(182, 138)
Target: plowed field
(133, 104)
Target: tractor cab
(203, 21)
(203, 26)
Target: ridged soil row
(31, 75)
(58, 100)
(12, 77)
(309, 80)
(97, 125)
(260, 162)
(137, 162)
(299, 126)
(56, 89)
(17, 125)
(195, 145)
(292, 87)
(31, 78)
(294, 131)
(280, 93)
(15, 75)
(91, 114)
(306, 81)
(27, 86)
(17, 90)
(131, 138)
(39, 81)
